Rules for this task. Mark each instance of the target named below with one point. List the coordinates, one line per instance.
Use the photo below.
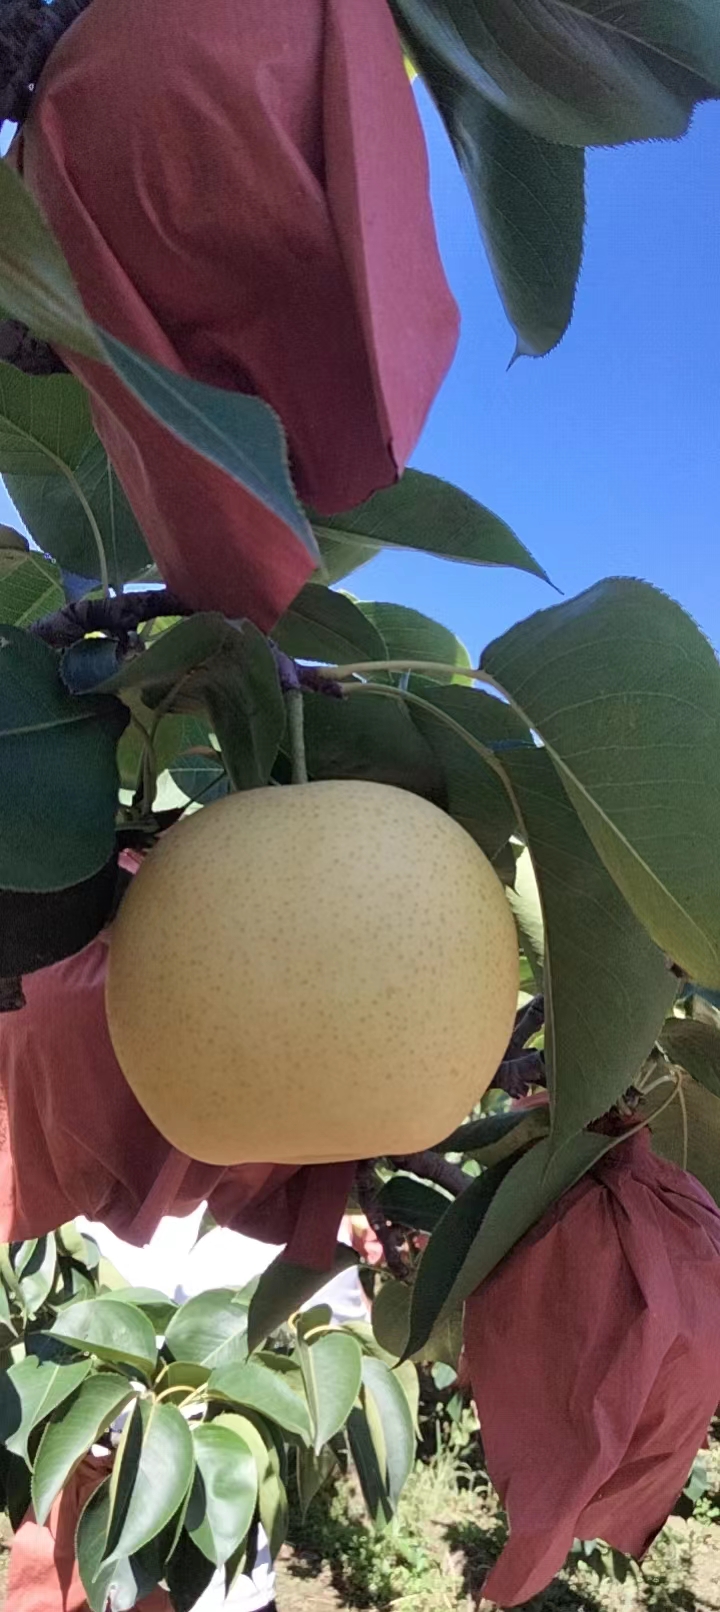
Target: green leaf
(687, 1130)
(525, 901)
(211, 1329)
(529, 200)
(332, 1368)
(607, 990)
(180, 1377)
(59, 784)
(397, 1423)
(625, 693)
(44, 423)
(475, 795)
(407, 1202)
(576, 71)
(35, 282)
(10, 539)
(54, 509)
(162, 1480)
(189, 1574)
(284, 1287)
(158, 1308)
(227, 669)
(339, 556)
(118, 1586)
(30, 587)
(325, 626)
(39, 1275)
(409, 635)
(123, 1475)
(30, 1391)
(483, 1225)
(696, 1047)
(68, 1438)
(369, 1468)
(425, 513)
(272, 1498)
(441, 1264)
(369, 736)
(224, 1495)
(240, 434)
(311, 1472)
(111, 1330)
(264, 1391)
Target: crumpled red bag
(74, 1140)
(241, 191)
(594, 1355)
(43, 1575)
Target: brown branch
(389, 1237)
(434, 1167)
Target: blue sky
(604, 456)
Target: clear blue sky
(605, 456)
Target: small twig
(296, 734)
(388, 1236)
(118, 617)
(516, 1075)
(528, 1021)
(432, 1166)
(12, 996)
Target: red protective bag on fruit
(594, 1356)
(241, 191)
(74, 1140)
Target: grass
(449, 1529)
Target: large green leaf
(694, 1045)
(369, 736)
(394, 1412)
(423, 512)
(30, 587)
(211, 1329)
(579, 71)
(410, 635)
(284, 1287)
(230, 671)
(58, 793)
(111, 1330)
(162, 1479)
(687, 1130)
(408, 1202)
(240, 434)
(44, 423)
(35, 282)
(474, 793)
(254, 1385)
(224, 1494)
(39, 1274)
(30, 1391)
(625, 692)
(486, 1222)
(154, 1304)
(54, 509)
(607, 989)
(332, 1368)
(326, 626)
(112, 1586)
(369, 1465)
(272, 1498)
(529, 199)
(71, 1434)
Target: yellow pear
(312, 973)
